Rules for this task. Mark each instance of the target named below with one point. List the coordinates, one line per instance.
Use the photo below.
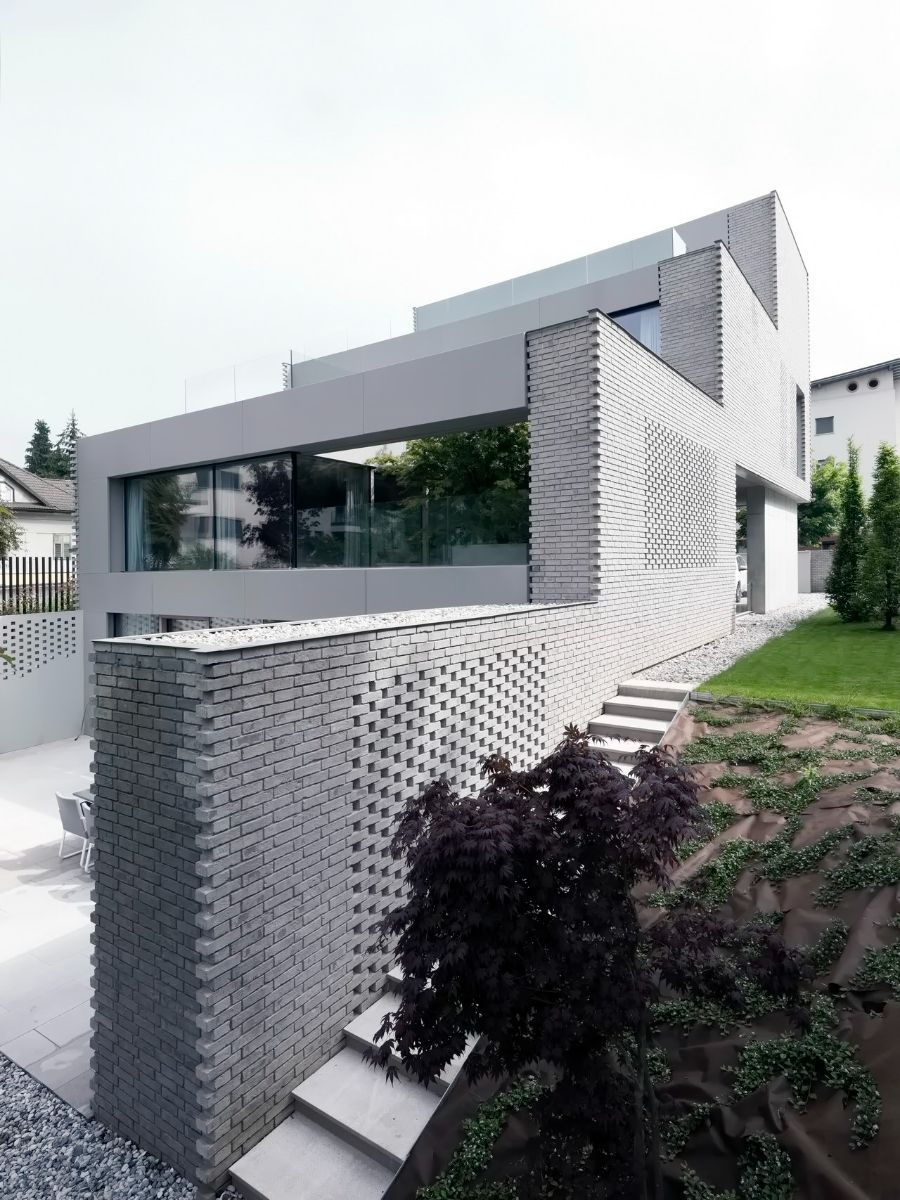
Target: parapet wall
(246, 792)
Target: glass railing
(490, 529)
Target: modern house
(247, 781)
(863, 404)
(237, 513)
(43, 510)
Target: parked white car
(740, 581)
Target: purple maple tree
(520, 927)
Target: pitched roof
(55, 495)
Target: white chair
(70, 814)
(87, 814)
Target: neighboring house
(43, 509)
(864, 405)
(691, 396)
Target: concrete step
(633, 729)
(620, 752)
(360, 1033)
(654, 689)
(394, 978)
(642, 706)
(300, 1160)
(355, 1101)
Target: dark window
(641, 323)
(800, 427)
(873, 383)
(333, 501)
(851, 387)
(824, 424)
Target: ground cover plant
(821, 660)
(541, 915)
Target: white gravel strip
(750, 631)
(48, 1151)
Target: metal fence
(34, 585)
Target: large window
(312, 511)
(253, 509)
(169, 521)
(333, 504)
(641, 323)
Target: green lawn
(821, 660)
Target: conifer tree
(64, 453)
(846, 593)
(39, 453)
(881, 573)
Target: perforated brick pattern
(680, 522)
(253, 792)
(35, 639)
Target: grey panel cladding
(680, 523)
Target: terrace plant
(520, 925)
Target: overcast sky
(193, 183)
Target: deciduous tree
(10, 533)
(821, 517)
(520, 926)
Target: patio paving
(45, 910)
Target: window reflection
(253, 514)
(168, 520)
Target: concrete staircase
(639, 715)
(350, 1129)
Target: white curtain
(649, 329)
(356, 513)
(228, 541)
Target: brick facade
(245, 802)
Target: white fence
(42, 690)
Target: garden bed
(761, 1100)
(807, 814)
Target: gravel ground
(48, 1151)
(750, 631)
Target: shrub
(520, 926)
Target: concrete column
(771, 549)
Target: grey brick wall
(146, 901)
(564, 484)
(716, 332)
(245, 803)
(690, 317)
(819, 567)
(752, 242)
